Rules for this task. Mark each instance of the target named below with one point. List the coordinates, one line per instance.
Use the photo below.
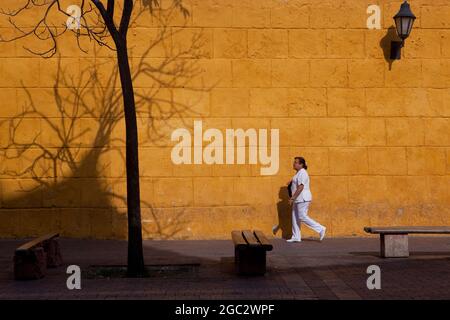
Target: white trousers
(300, 215)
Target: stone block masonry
(375, 133)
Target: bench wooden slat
(408, 229)
(238, 239)
(30, 244)
(263, 240)
(250, 238)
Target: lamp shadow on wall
(64, 174)
(385, 44)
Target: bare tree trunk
(135, 252)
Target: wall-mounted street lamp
(404, 21)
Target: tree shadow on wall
(63, 166)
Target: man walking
(300, 200)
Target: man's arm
(297, 192)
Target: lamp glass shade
(404, 26)
(404, 21)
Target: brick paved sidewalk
(333, 269)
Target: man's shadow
(284, 213)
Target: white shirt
(301, 177)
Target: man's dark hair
(302, 161)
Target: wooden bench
(250, 251)
(33, 258)
(394, 240)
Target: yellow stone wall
(375, 133)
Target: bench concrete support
(33, 258)
(250, 252)
(53, 253)
(394, 245)
(250, 260)
(30, 265)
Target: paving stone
(333, 269)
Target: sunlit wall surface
(375, 132)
